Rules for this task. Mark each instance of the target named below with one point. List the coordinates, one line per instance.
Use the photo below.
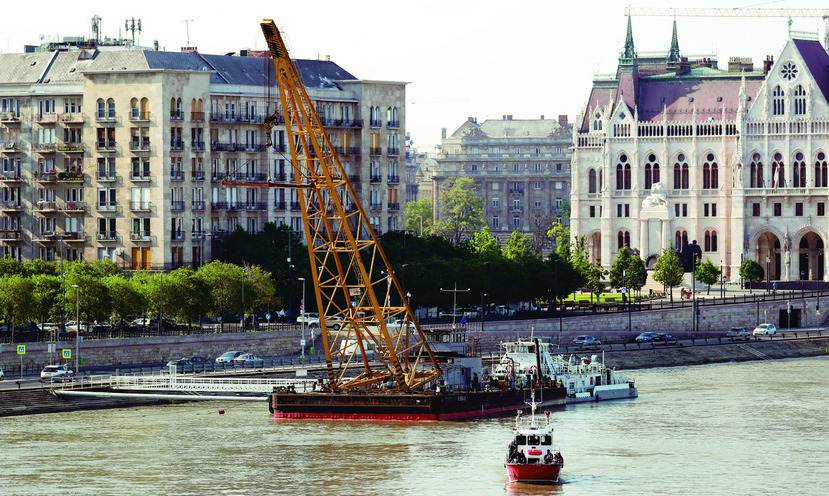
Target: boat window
(546, 440)
(531, 349)
(533, 440)
(520, 440)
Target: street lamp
(302, 313)
(77, 329)
(722, 282)
(768, 274)
(482, 310)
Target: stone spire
(673, 53)
(629, 53)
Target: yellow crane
(354, 283)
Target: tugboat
(586, 379)
(531, 456)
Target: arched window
(200, 104)
(681, 240)
(778, 172)
(591, 181)
(799, 100)
(172, 107)
(799, 169)
(685, 176)
(756, 179)
(680, 172)
(193, 105)
(627, 176)
(623, 239)
(651, 171)
(623, 173)
(710, 240)
(111, 108)
(620, 177)
(706, 245)
(601, 179)
(178, 107)
(145, 108)
(677, 176)
(820, 170)
(101, 108)
(135, 112)
(710, 179)
(778, 105)
(597, 122)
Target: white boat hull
(603, 393)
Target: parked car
(312, 320)
(586, 340)
(182, 365)
(661, 336)
(646, 337)
(56, 373)
(738, 333)
(227, 357)
(2, 374)
(764, 330)
(198, 361)
(248, 360)
(72, 327)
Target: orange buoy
(221, 411)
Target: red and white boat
(531, 455)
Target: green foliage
(637, 274)
(519, 247)
(151, 288)
(594, 282)
(188, 291)
(485, 244)
(561, 234)
(668, 270)
(47, 297)
(16, 300)
(260, 291)
(38, 266)
(707, 273)
(419, 216)
(462, 210)
(128, 302)
(563, 278)
(224, 282)
(619, 268)
(751, 271)
(94, 300)
(10, 266)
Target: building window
(597, 122)
(778, 209)
(496, 203)
(821, 209)
(496, 222)
(799, 169)
(591, 181)
(516, 222)
(710, 243)
(820, 170)
(623, 173)
(778, 105)
(618, 210)
(681, 172)
(516, 168)
(778, 172)
(756, 170)
(755, 209)
(651, 171)
(623, 239)
(710, 179)
(681, 239)
(713, 210)
(798, 209)
(705, 210)
(685, 210)
(799, 100)
(592, 211)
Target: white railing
(179, 382)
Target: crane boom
(353, 279)
(724, 12)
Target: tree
(707, 273)
(38, 266)
(751, 271)
(260, 291)
(419, 216)
(619, 269)
(128, 301)
(94, 302)
(519, 247)
(562, 278)
(46, 296)
(150, 286)
(16, 299)
(190, 291)
(561, 234)
(637, 274)
(485, 244)
(594, 280)
(462, 210)
(668, 270)
(10, 266)
(224, 282)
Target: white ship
(586, 379)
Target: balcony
(279, 205)
(47, 118)
(254, 206)
(197, 146)
(354, 178)
(44, 237)
(140, 177)
(375, 207)
(9, 147)
(105, 117)
(254, 147)
(106, 176)
(176, 235)
(393, 179)
(280, 176)
(197, 116)
(217, 176)
(10, 235)
(176, 145)
(177, 175)
(73, 207)
(45, 177)
(246, 177)
(45, 148)
(197, 205)
(43, 206)
(197, 175)
(280, 147)
(225, 147)
(294, 206)
(136, 115)
(140, 206)
(375, 123)
(344, 123)
(393, 207)
(72, 118)
(176, 206)
(10, 177)
(374, 179)
(73, 237)
(375, 151)
(140, 144)
(71, 147)
(516, 191)
(10, 206)
(228, 118)
(394, 124)
(516, 209)
(141, 236)
(393, 152)
(9, 118)
(107, 206)
(70, 177)
(105, 145)
(198, 235)
(107, 236)
(176, 116)
(229, 206)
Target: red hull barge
(406, 407)
(534, 473)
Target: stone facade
(521, 168)
(670, 151)
(121, 153)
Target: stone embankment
(41, 400)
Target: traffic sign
(302, 342)
(268, 316)
(21, 349)
(50, 348)
(66, 353)
(624, 290)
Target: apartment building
(121, 153)
(521, 168)
(673, 151)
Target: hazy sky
(461, 57)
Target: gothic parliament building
(670, 152)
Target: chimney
(503, 117)
(767, 64)
(443, 133)
(509, 117)
(542, 117)
(243, 52)
(472, 119)
(562, 120)
(683, 66)
(327, 58)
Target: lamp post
(768, 274)
(455, 292)
(694, 293)
(302, 313)
(722, 282)
(77, 328)
(482, 310)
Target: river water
(732, 429)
